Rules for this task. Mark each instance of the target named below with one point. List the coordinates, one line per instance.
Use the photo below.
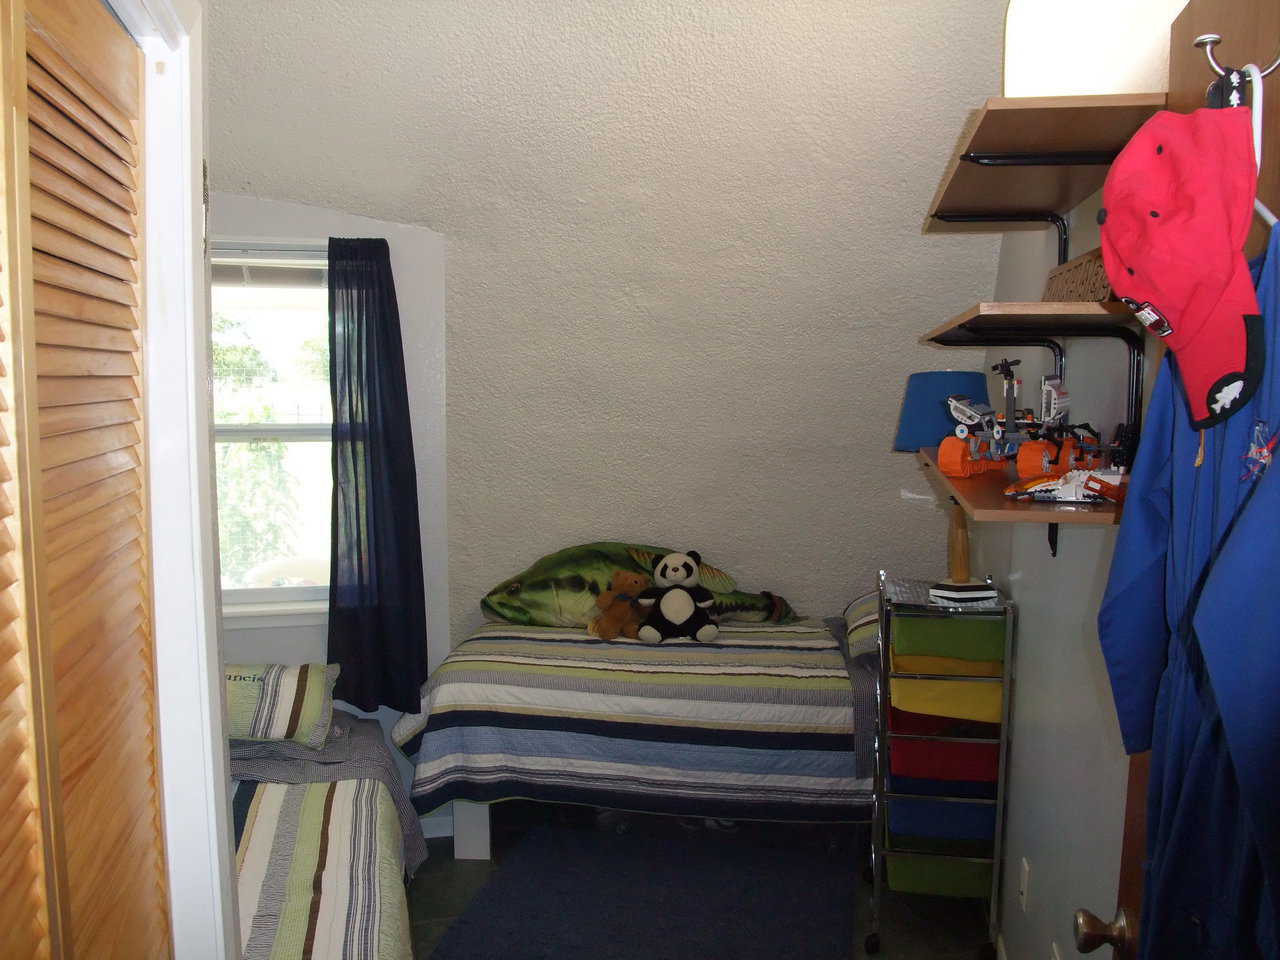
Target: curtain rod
(292, 250)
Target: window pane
(271, 353)
(273, 513)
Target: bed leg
(470, 830)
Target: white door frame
(190, 691)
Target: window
(272, 417)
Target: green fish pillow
(560, 589)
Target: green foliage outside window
(236, 362)
(315, 358)
(257, 511)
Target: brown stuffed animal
(620, 614)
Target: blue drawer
(976, 789)
(938, 818)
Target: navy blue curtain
(377, 611)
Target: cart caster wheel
(868, 874)
(872, 944)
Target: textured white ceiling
(686, 274)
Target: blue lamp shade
(925, 420)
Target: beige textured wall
(685, 274)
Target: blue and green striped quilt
(759, 724)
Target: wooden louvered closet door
(25, 913)
(73, 146)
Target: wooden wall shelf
(1043, 126)
(1042, 319)
(983, 499)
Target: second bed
(768, 722)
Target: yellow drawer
(945, 666)
(965, 700)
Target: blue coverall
(1190, 627)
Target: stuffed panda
(677, 604)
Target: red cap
(1177, 207)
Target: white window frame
(255, 601)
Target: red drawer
(925, 725)
(937, 760)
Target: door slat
(66, 597)
(88, 624)
(39, 80)
(77, 503)
(75, 562)
(50, 209)
(64, 391)
(72, 276)
(61, 540)
(57, 302)
(91, 39)
(76, 166)
(59, 480)
(64, 130)
(83, 416)
(70, 448)
(67, 246)
(76, 362)
(52, 180)
(98, 612)
(39, 49)
(87, 661)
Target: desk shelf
(983, 499)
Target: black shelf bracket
(1058, 221)
(1061, 158)
(1134, 346)
(1011, 336)
(1027, 340)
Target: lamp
(924, 422)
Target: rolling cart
(944, 691)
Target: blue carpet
(660, 892)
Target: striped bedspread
(759, 724)
(320, 871)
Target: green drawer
(968, 638)
(944, 845)
(914, 873)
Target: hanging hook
(1206, 43)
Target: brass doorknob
(1093, 932)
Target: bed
(768, 722)
(320, 871)
(324, 841)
